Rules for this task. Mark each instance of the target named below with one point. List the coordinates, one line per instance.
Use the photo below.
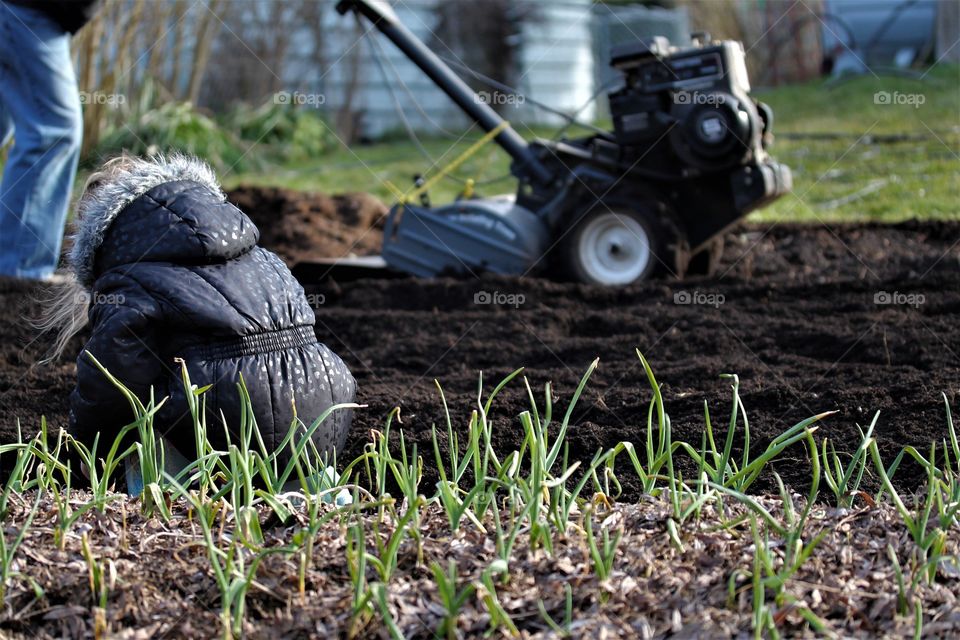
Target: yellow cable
(463, 157)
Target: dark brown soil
(798, 324)
(302, 226)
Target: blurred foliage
(293, 132)
(168, 127)
(245, 139)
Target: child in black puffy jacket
(172, 271)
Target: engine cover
(465, 237)
(718, 131)
(696, 96)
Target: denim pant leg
(6, 122)
(38, 89)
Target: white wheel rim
(614, 249)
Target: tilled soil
(798, 312)
(794, 313)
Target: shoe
(324, 482)
(329, 480)
(133, 477)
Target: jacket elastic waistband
(265, 342)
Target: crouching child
(164, 269)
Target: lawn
(853, 157)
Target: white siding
(563, 58)
(557, 59)
(373, 94)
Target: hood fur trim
(120, 185)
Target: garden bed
(799, 323)
(163, 586)
(852, 319)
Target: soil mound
(301, 226)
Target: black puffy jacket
(174, 271)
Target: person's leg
(6, 123)
(39, 92)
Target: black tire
(617, 246)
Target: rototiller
(686, 158)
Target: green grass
(918, 177)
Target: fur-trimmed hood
(116, 188)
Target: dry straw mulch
(164, 587)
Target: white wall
(556, 68)
(563, 57)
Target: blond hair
(65, 305)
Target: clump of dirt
(303, 226)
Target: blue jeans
(40, 107)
